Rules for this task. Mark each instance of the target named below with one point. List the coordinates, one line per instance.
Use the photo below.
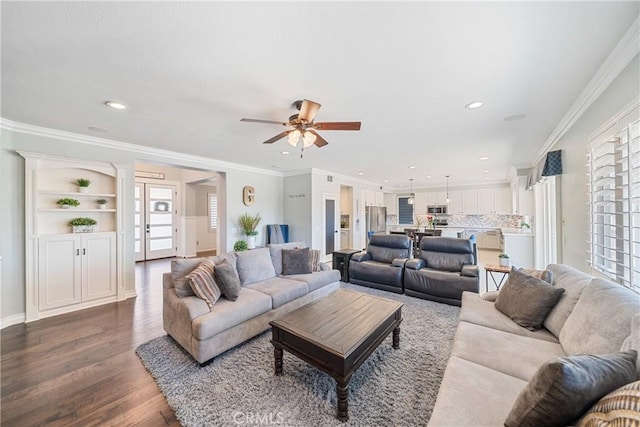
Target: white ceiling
(190, 70)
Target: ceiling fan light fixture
(293, 138)
(308, 139)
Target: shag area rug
(392, 388)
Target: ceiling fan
(303, 127)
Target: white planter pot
(65, 206)
(82, 228)
(83, 189)
(103, 206)
(251, 242)
(504, 262)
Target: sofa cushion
(473, 395)
(318, 279)
(180, 267)
(226, 314)
(564, 388)
(296, 261)
(476, 310)
(230, 257)
(601, 320)
(275, 252)
(632, 342)
(527, 300)
(621, 407)
(573, 282)
(202, 282)
(227, 279)
(511, 354)
(280, 290)
(254, 265)
(376, 272)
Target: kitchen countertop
(525, 232)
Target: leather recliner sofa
(446, 268)
(381, 265)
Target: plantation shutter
(213, 211)
(405, 211)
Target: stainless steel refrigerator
(376, 217)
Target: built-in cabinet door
(502, 200)
(98, 266)
(470, 202)
(455, 203)
(485, 201)
(59, 271)
(420, 204)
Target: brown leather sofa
(381, 265)
(446, 267)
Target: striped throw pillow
(202, 283)
(621, 407)
(546, 275)
(314, 257)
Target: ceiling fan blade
(264, 121)
(337, 126)
(308, 110)
(320, 141)
(277, 137)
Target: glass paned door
(155, 230)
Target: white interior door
(330, 230)
(155, 222)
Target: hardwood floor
(80, 369)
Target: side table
(341, 262)
(489, 269)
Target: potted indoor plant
(102, 203)
(83, 184)
(248, 224)
(82, 225)
(504, 260)
(67, 203)
(240, 246)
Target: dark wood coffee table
(336, 334)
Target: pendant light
(447, 188)
(411, 195)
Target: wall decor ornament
(248, 195)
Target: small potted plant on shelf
(504, 260)
(67, 203)
(102, 203)
(83, 184)
(248, 224)
(82, 225)
(240, 246)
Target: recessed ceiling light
(115, 105)
(428, 176)
(412, 167)
(484, 158)
(97, 129)
(284, 152)
(386, 180)
(401, 185)
(515, 117)
(485, 171)
(473, 105)
(360, 173)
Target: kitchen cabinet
(455, 203)
(470, 202)
(478, 233)
(494, 201)
(70, 271)
(391, 203)
(373, 198)
(491, 239)
(420, 204)
(75, 268)
(436, 198)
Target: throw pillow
(202, 283)
(314, 257)
(179, 269)
(565, 387)
(296, 261)
(275, 251)
(527, 300)
(228, 281)
(254, 266)
(621, 407)
(545, 275)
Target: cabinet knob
(77, 252)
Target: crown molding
(626, 49)
(171, 157)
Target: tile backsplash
(490, 220)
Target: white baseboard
(12, 320)
(131, 294)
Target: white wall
(622, 91)
(16, 136)
(297, 207)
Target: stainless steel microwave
(437, 209)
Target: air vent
(329, 178)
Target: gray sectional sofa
(265, 295)
(493, 358)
